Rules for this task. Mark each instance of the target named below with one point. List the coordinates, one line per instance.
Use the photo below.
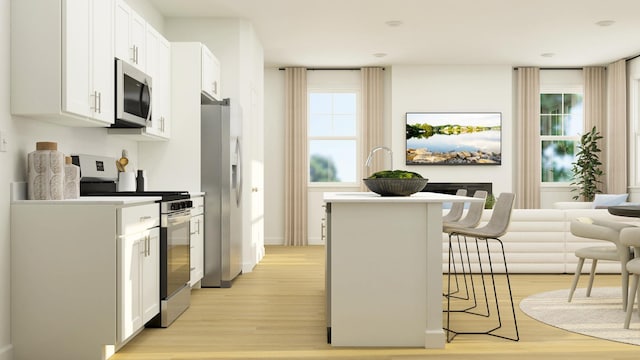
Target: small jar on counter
(45, 172)
(71, 179)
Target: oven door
(175, 268)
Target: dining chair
(631, 237)
(599, 229)
(491, 232)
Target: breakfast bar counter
(384, 269)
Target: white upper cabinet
(62, 69)
(210, 74)
(159, 68)
(139, 44)
(130, 33)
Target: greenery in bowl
(395, 182)
(395, 174)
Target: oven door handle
(179, 218)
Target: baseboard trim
(6, 352)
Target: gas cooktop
(165, 195)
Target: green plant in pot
(587, 167)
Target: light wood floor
(277, 312)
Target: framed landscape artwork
(454, 138)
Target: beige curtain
(616, 135)
(296, 172)
(595, 109)
(372, 119)
(528, 163)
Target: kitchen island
(384, 269)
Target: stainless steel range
(98, 178)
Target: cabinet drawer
(137, 218)
(198, 205)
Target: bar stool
(471, 220)
(457, 208)
(492, 231)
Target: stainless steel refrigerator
(221, 180)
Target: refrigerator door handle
(237, 172)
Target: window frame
(576, 138)
(357, 137)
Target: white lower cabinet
(138, 269)
(84, 276)
(197, 241)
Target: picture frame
(453, 138)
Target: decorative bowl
(395, 187)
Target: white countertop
(95, 200)
(420, 197)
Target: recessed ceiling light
(380, 55)
(605, 22)
(394, 23)
(548, 55)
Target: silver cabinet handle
(95, 101)
(99, 102)
(215, 87)
(145, 218)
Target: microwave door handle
(148, 120)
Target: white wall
(407, 88)
(235, 44)
(274, 157)
(465, 88)
(6, 175)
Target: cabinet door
(137, 39)
(122, 20)
(158, 62)
(130, 33)
(164, 92)
(151, 275)
(197, 249)
(102, 62)
(215, 79)
(77, 57)
(207, 71)
(130, 249)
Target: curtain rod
(559, 68)
(321, 69)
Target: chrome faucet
(367, 164)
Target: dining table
(625, 210)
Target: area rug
(599, 315)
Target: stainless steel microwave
(133, 96)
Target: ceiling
(349, 33)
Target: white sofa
(539, 240)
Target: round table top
(625, 210)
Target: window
(332, 137)
(560, 129)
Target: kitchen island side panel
(63, 284)
(386, 278)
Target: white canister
(71, 179)
(126, 181)
(45, 172)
